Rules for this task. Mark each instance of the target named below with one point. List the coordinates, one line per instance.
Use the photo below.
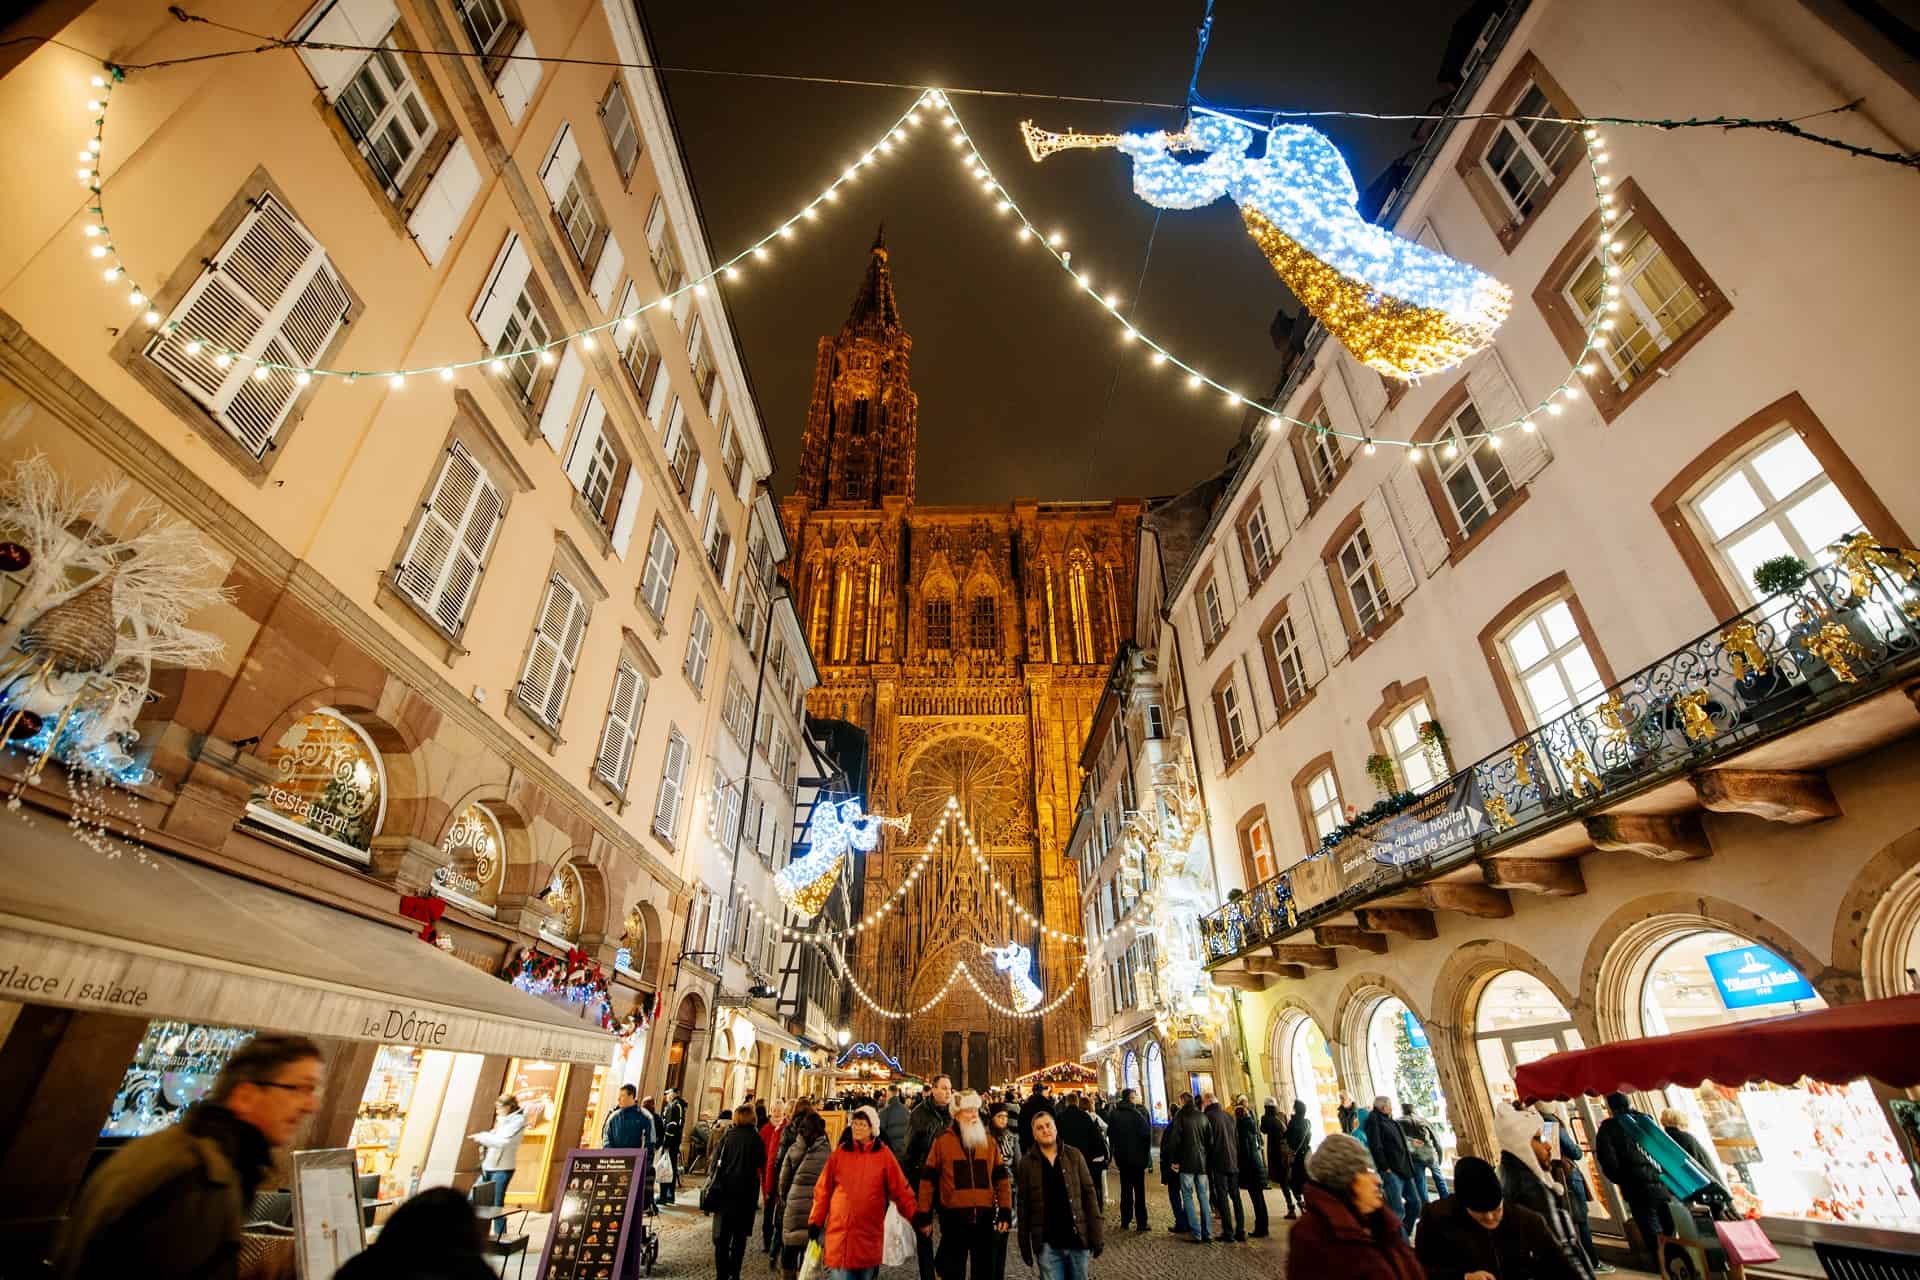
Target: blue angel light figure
(833, 831)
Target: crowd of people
(949, 1180)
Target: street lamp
(842, 1037)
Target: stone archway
(688, 1022)
(409, 805)
(1879, 918)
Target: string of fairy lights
(962, 969)
(930, 103)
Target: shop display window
(1816, 1151)
(602, 1096)
(538, 1086)
(1157, 1083)
(329, 788)
(476, 859)
(1400, 1060)
(385, 1110)
(1310, 1064)
(174, 1067)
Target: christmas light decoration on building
(835, 830)
(1016, 961)
(1403, 309)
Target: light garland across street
(960, 970)
(116, 272)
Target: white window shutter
(657, 402)
(623, 337)
(1524, 454)
(519, 78)
(606, 273)
(347, 22)
(558, 413)
(1293, 493)
(1368, 389)
(592, 424)
(719, 398)
(441, 569)
(710, 519)
(656, 226)
(563, 158)
(615, 756)
(543, 653)
(1493, 392)
(445, 203)
(505, 282)
(1340, 411)
(666, 809)
(1306, 637)
(1326, 614)
(629, 509)
(1416, 512)
(699, 489)
(693, 339)
(270, 294)
(1388, 554)
(1426, 235)
(682, 304)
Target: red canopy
(1877, 1038)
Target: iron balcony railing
(1847, 632)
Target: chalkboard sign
(600, 1201)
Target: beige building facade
(1627, 761)
(509, 599)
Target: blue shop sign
(1416, 1034)
(1750, 976)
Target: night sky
(1026, 387)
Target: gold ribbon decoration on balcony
(1496, 810)
(1741, 642)
(1614, 716)
(1859, 555)
(1580, 771)
(1518, 753)
(1694, 719)
(1834, 645)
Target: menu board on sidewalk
(599, 1202)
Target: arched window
(983, 623)
(1080, 606)
(873, 611)
(1310, 1076)
(842, 607)
(330, 787)
(1130, 1073)
(939, 624)
(857, 422)
(1400, 1063)
(477, 859)
(1156, 1082)
(1774, 499)
(566, 899)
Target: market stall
(1059, 1075)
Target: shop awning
(771, 1031)
(1878, 1038)
(152, 936)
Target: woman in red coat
(850, 1200)
(1345, 1228)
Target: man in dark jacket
(1629, 1167)
(1059, 1215)
(1299, 1142)
(733, 1191)
(171, 1205)
(929, 1120)
(628, 1126)
(1190, 1137)
(1475, 1232)
(1079, 1130)
(1223, 1169)
(1252, 1176)
(1387, 1143)
(896, 1122)
(1131, 1136)
(673, 1125)
(1170, 1176)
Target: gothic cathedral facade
(971, 643)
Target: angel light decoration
(1016, 961)
(834, 830)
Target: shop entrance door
(1531, 1045)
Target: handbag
(1745, 1242)
(900, 1244)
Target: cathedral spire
(874, 307)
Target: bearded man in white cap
(965, 1182)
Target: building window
(558, 630)
(1321, 795)
(1366, 591)
(1257, 541)
(1413, 760)
(699, 646)
(387, 119)
(1662, 299)
(673, 777)
(1213, 620)
(704, 373)
(593, 466)
(579, 218)
(1775, 500)
(522, 339)
(657, 579)
(1475, 481)
(660, 248)
(328, 783)
(614, 760)
(441, 568)
(1317, 451)
(1156, 721)
(982, 623)
(1550, 663)
(638, 350)
(736, 709)
(268, 295)
(1232, 717)
(940, 624)
(1256, 848)
(623, 135)
(1514, 167)
(1286, 667)
(485, 22)
(732, 456)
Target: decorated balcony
(1740, 720)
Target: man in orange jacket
(966, 1183)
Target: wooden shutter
(557, 634)
(1493, 392)
(1306, 636)
(657, 402)
(558, 413)
(563, 159)
(449, 547)
(656, 227)
(519, 78)
(693, 340)
(1227, 755)
(444, 204)
(699, 489)
(345, 22)
(1388, 553)
(624, 337)
(505, 282)
(1416, 512)
(270, 294)
(673, 772)
(606, 273)
(1341, 414)
(615, 757)
(1524, 454)
(629, 509)
(1327, 621)
(1293, 493)
(586, 440)
(1368, 390)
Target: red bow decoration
(427, 909)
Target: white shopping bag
(810, 1264)
(663, 1168)
(900, 1243)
